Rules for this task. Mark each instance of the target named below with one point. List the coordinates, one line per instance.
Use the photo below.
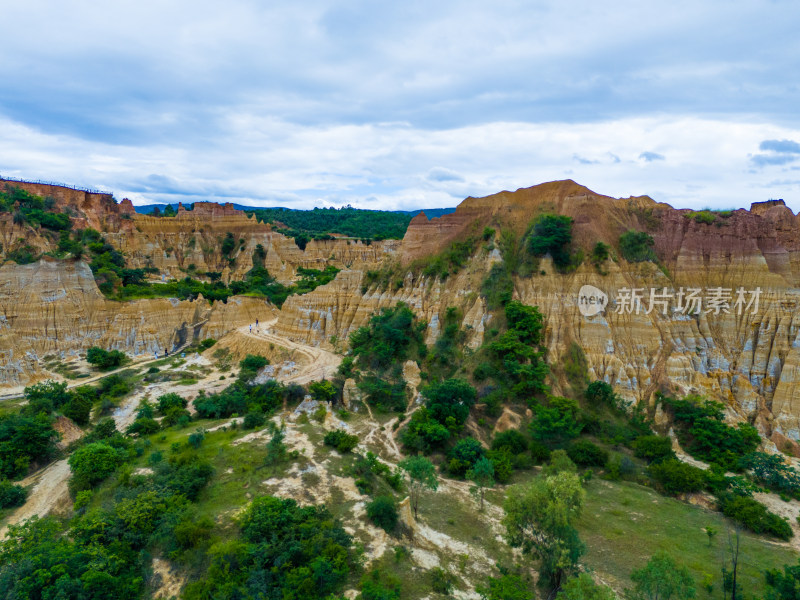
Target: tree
(421, 476)
(557, 423)
(92, 463)
(451, 398)
(583, 587)
(46, 396)
(599, 393)
(786, 585)
(79, 406)
(729, 583)
(324, 390)
(540, 518)
(464, 455)
(482, 473)
(383, 512)
(662, 579)
(552, 234)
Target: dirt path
(17, 392)
(320, 363)
(49, 489)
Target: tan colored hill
(751, 361)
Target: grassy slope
(624, 524)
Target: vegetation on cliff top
(319, 223)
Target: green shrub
(423, 433)
(442, 582)
(464, 455)
(324, 390)
(450, 399)
(92, 463)
(169, 401)
(80, 404)
(290, 551)
(24, 255)
(702, 216)
(552, 234)
(195, 439)
(24, 439)
(341, 440)
(637, 246)
(498, 286)
(380, 585)
(389, 339)
(754, 516)
(556, 423)
(250, 365)
(773, 471)
(143, 426)
(253, 420)
(387, 396)
(207, 343)
(600, 393)
(600, 254)
(104, 359)
(11, 495)
(512, 439)
(676, 477)
(383, 512)
(653, 448)
(586, 454)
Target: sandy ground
(319, 363)
(10, 393)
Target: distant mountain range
(431, 213)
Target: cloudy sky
(403, 104)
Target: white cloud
(400, 104)
(264, 161)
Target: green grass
(624, 524)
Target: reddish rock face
(767, 233)
(97, 210)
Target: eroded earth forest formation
(546, 393)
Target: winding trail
(49, 489)
(320, 363)
(18, 393)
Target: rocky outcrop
(194, 238)
(749, 361)
(94, 209)
(53, 308)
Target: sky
(403, 105)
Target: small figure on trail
(251, 329)
(256, 323)
(165, 353)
